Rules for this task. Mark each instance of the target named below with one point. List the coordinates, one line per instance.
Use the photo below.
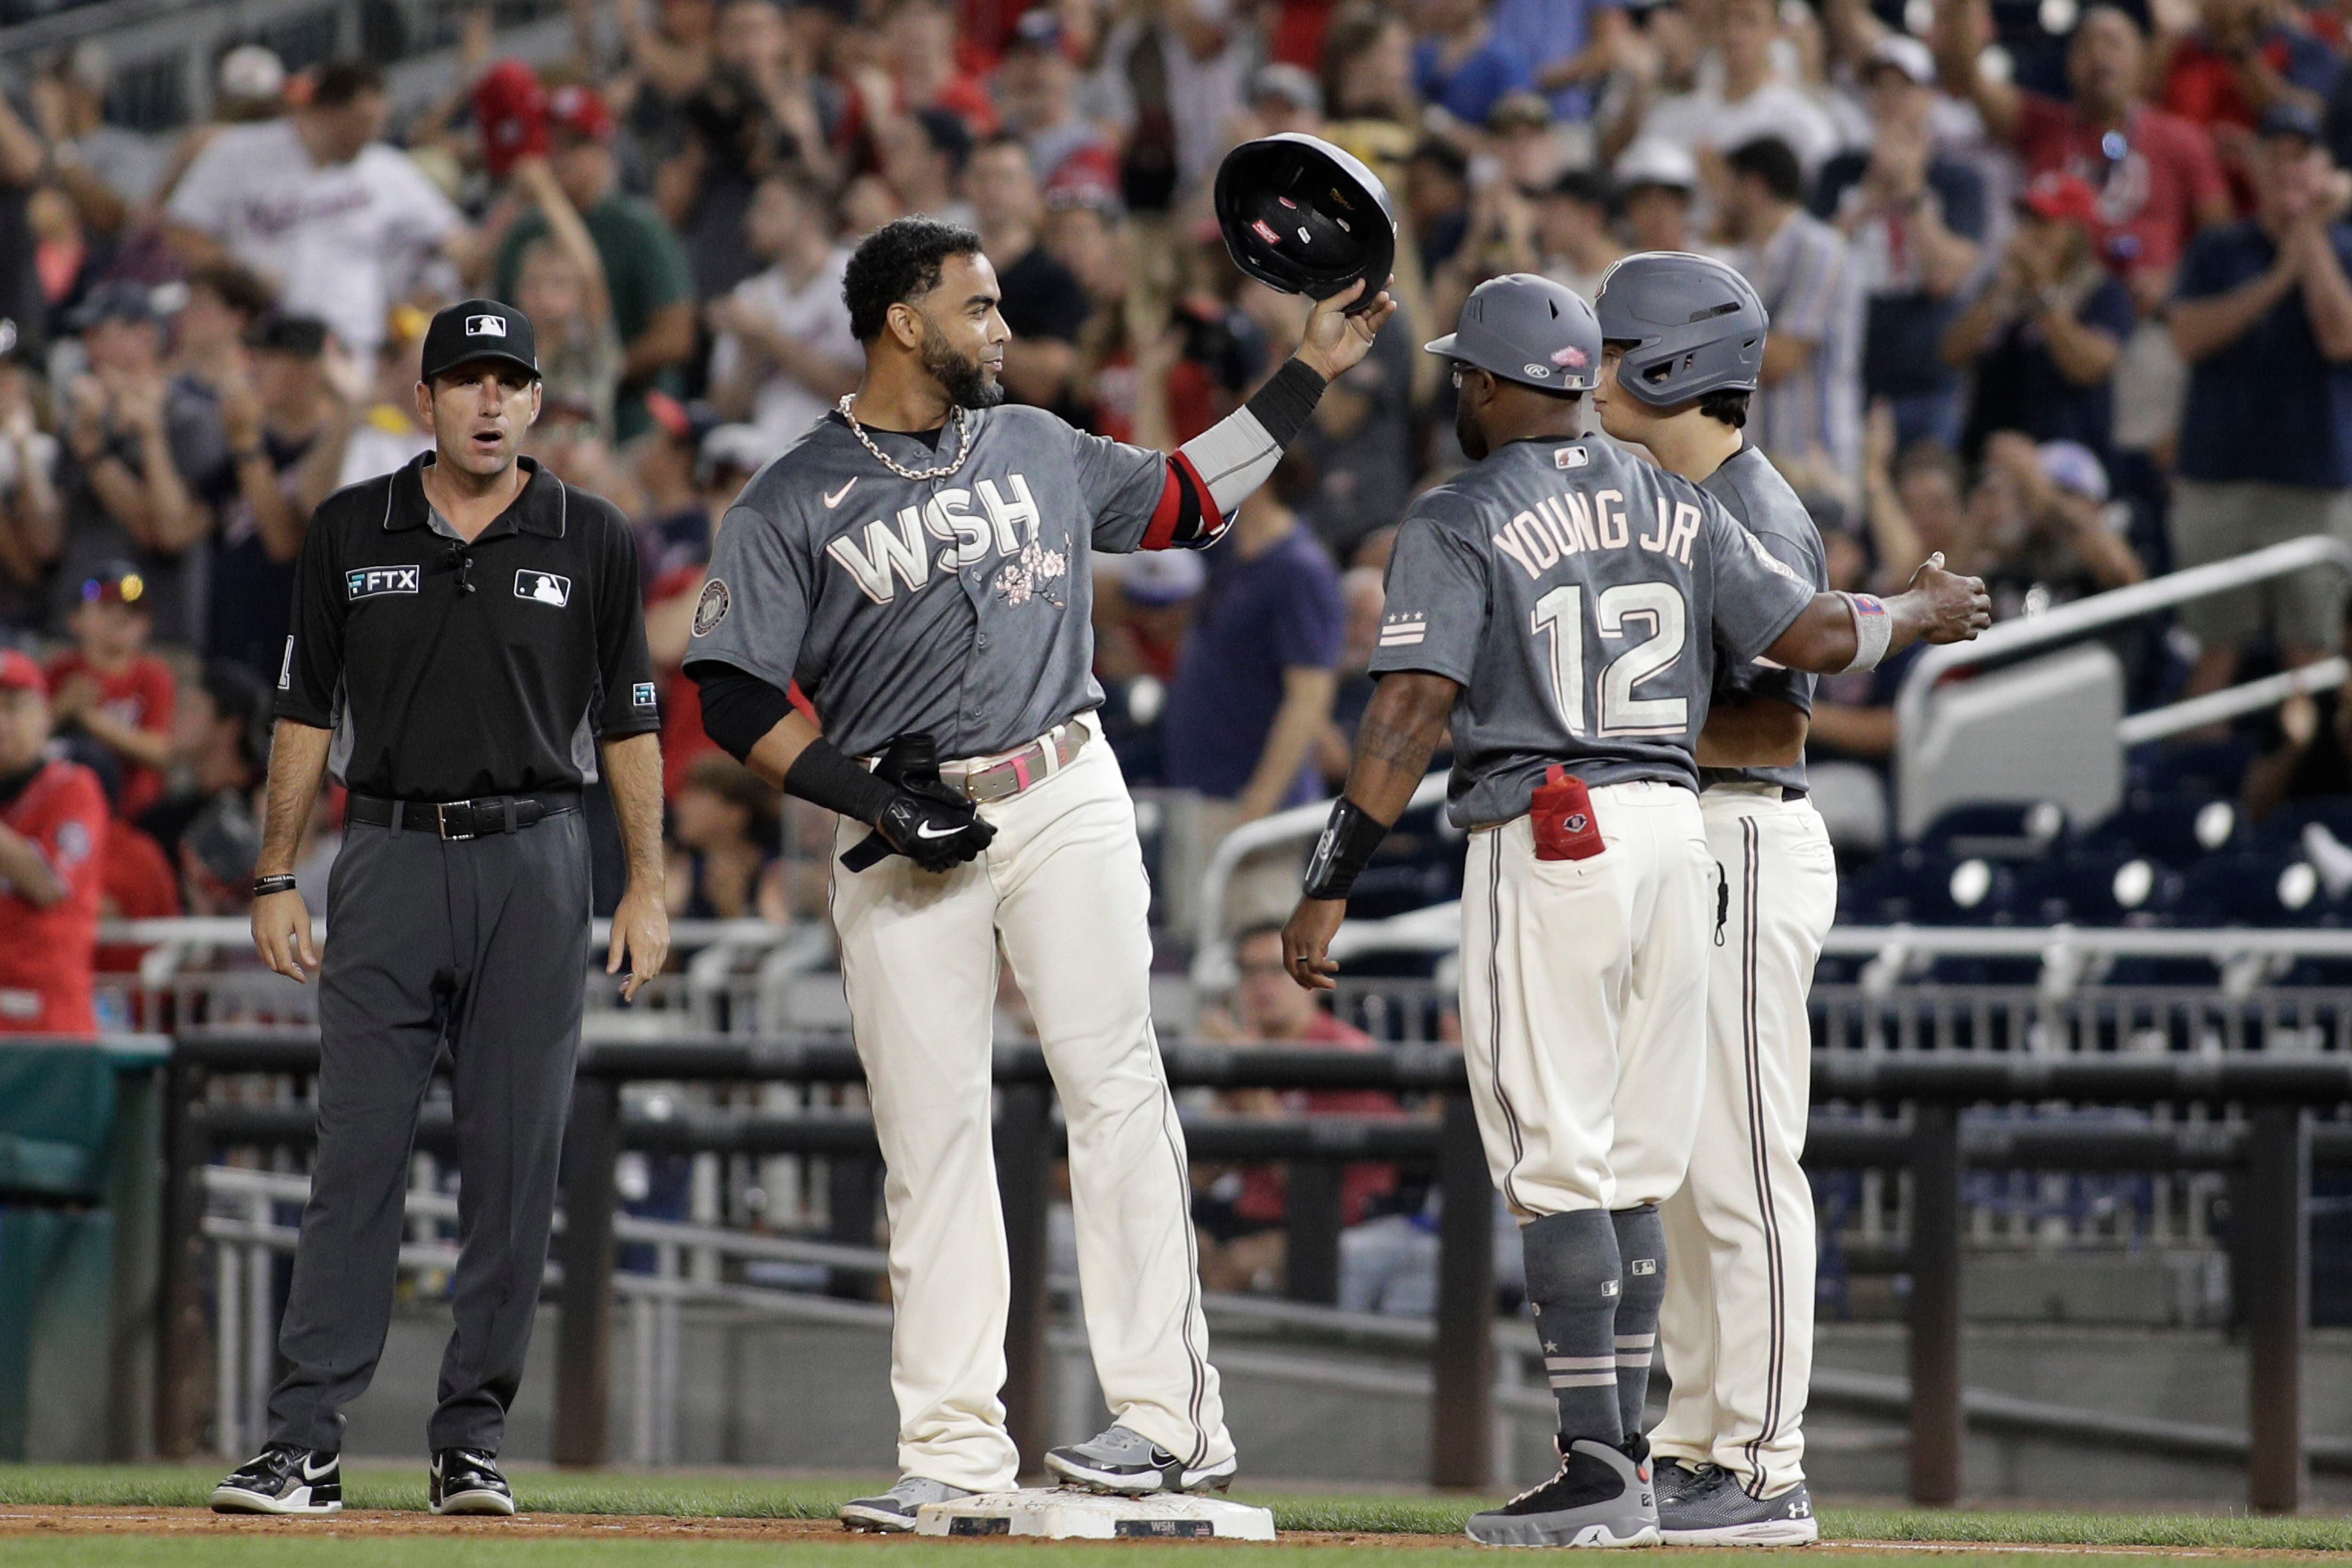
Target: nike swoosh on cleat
(834, 498)
(320, 1474)
(925, 832)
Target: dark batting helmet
(1530, 330)
(1300, 216)
(1690, 325)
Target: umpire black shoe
(466, 1480)
(285, 1479)
(1602, 1497)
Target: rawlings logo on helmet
(1540, 372)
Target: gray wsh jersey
(1752, 490)
(1575, 593)
(957, 605)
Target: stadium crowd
(2059, 290)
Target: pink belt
(1006, 774)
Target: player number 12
(1559, 618)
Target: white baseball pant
(1582, 1021)
(1736, 1326)
(1062, 886)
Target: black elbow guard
(738, 709)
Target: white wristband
(1873, 629)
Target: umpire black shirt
(434, 693)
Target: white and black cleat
(1713, 1510)
(466, 1480)
(894, 1511)
(283, 1479)
(1602, 1496)
(1129, 1463)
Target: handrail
(2117, 605)
(1212, 964)
(236, 930)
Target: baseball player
(1682, 345)
(1559, 602)
(918, 561)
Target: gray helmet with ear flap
(1530, 330)
(1690, 325)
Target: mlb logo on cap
(473, 331)
(485, 327)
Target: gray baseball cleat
(894, 1510)
(1670, 1478)
(1119, 1460)
(1602, 1497)
(1713, 1510)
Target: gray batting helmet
(1691, 326)
(1530, 330)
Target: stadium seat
(1919, 887)
(2176, 829)
(2201, 767)
(2255, 888)
(2096, 888)
(2007, 830)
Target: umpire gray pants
(481, 942)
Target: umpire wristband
(1346, 847)
(822, 775)
(264, 885)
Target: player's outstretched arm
(1838, 632)
(1401, 729)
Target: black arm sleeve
(1287, 402)
(738, 709)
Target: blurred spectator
(1369, 102)
(1362, 596)
(1037, 92)
(719, 459)
(1148, 607)
(32, 521)
(675, 522)
(1173, 77)
(1567, 45)
(220, 743)
(783, 353)
(271, 417)
(2263, 317)
(1912, 218)
(560, 285)
(2245, 58)
(137, 444)
(216, 856)
(1745, 99)
(922, 157)
(1573, 231)
(645, 274)
(921, 42)
(106, 171)
(1042, 302)
(1240, 1210)
(723, 820)
(1658, 183)
(23, 155)
(1253, 684)
(1436, 216)
(2051, 525)
(224, 299)
(2156, 175)
(1459, 63)
(53, 823)
(2044, 336)
(342, 224)
(1283, 97)
(111, 688)
(1810, 406)
(377, 431)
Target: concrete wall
(763, 1392)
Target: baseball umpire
(467, 643)
(1560, 604)
(918, 561)
(1682, 345)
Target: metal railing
(2098, 611)
(2262, 1137)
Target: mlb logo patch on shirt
(543, 588)
(1403, 630)
(642, 694)
(367, 582)
(1569, 458)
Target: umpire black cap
(474, 329)
(1301, 216)
(1530, 330)
(1690, 325)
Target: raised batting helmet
(1690, 325)
(1530, 330)
(1300, 216)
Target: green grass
(709, 1495)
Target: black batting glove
(936, 828)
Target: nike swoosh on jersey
(924, 831)
(834, 498)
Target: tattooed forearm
(1401, 730)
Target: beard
(1467, 432)
(964, 379)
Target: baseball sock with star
(1573, 1281)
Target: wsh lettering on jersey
(887, 554)
(1568, 524)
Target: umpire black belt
(456, 819)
